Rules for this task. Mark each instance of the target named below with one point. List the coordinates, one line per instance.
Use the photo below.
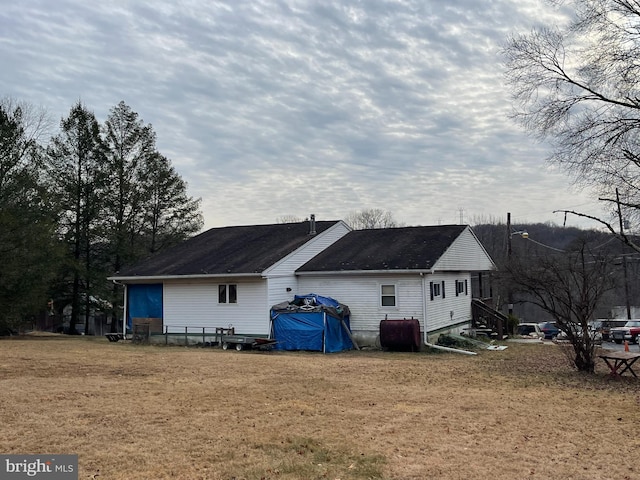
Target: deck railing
(485, 317)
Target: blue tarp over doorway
(143, 301)
(311, 322)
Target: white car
(529, 330)
(595, 336)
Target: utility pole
(509, 252)
(509, 236)
(624, 223)
(626, 287)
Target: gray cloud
(277, 107)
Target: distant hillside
(495, 237)
(549, 238)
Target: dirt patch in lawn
(145, 412)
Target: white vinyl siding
(450, 309)
(362, 295)
(281, 289)
(195, 304)
(466, 254)
(281, 277)
(313, 247)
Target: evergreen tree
(77, 167)
(170, 214)
(130, 144)
(146, 203)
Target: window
(435, 289)
(228, 293)
(388, 295)
(461, 287)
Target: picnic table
(616, 360)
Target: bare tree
(371, 218)
(569, 286)
(37, 123)
(288, 219)
(578, 87)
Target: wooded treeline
(77, 206)
(547, 242)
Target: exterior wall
(452, 309)
(361, 293)
(413, 297)
(195, 304)
(277, 289)
(281, 276)
(466, 254)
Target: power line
(546, 246)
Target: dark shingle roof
(407, 248)
(228, 250)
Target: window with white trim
(461, 287)
(436, 289)
(388, 295)
(228, 293)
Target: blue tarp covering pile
(311, 322)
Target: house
(424, 273)
(228, 276)
(232, 276)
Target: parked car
(593, 333)
(607, 325)
(531, 330)
(549, 329)
(596, 325)
(630, 331)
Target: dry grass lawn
(149, 412)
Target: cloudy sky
(273, 108)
